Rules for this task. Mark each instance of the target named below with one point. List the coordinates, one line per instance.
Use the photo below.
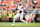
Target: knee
(13, 17)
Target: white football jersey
(35, 1)
(20, 8)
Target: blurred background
(7, 7)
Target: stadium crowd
(11, 4)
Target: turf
(17, 24)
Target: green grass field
(8, 24)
